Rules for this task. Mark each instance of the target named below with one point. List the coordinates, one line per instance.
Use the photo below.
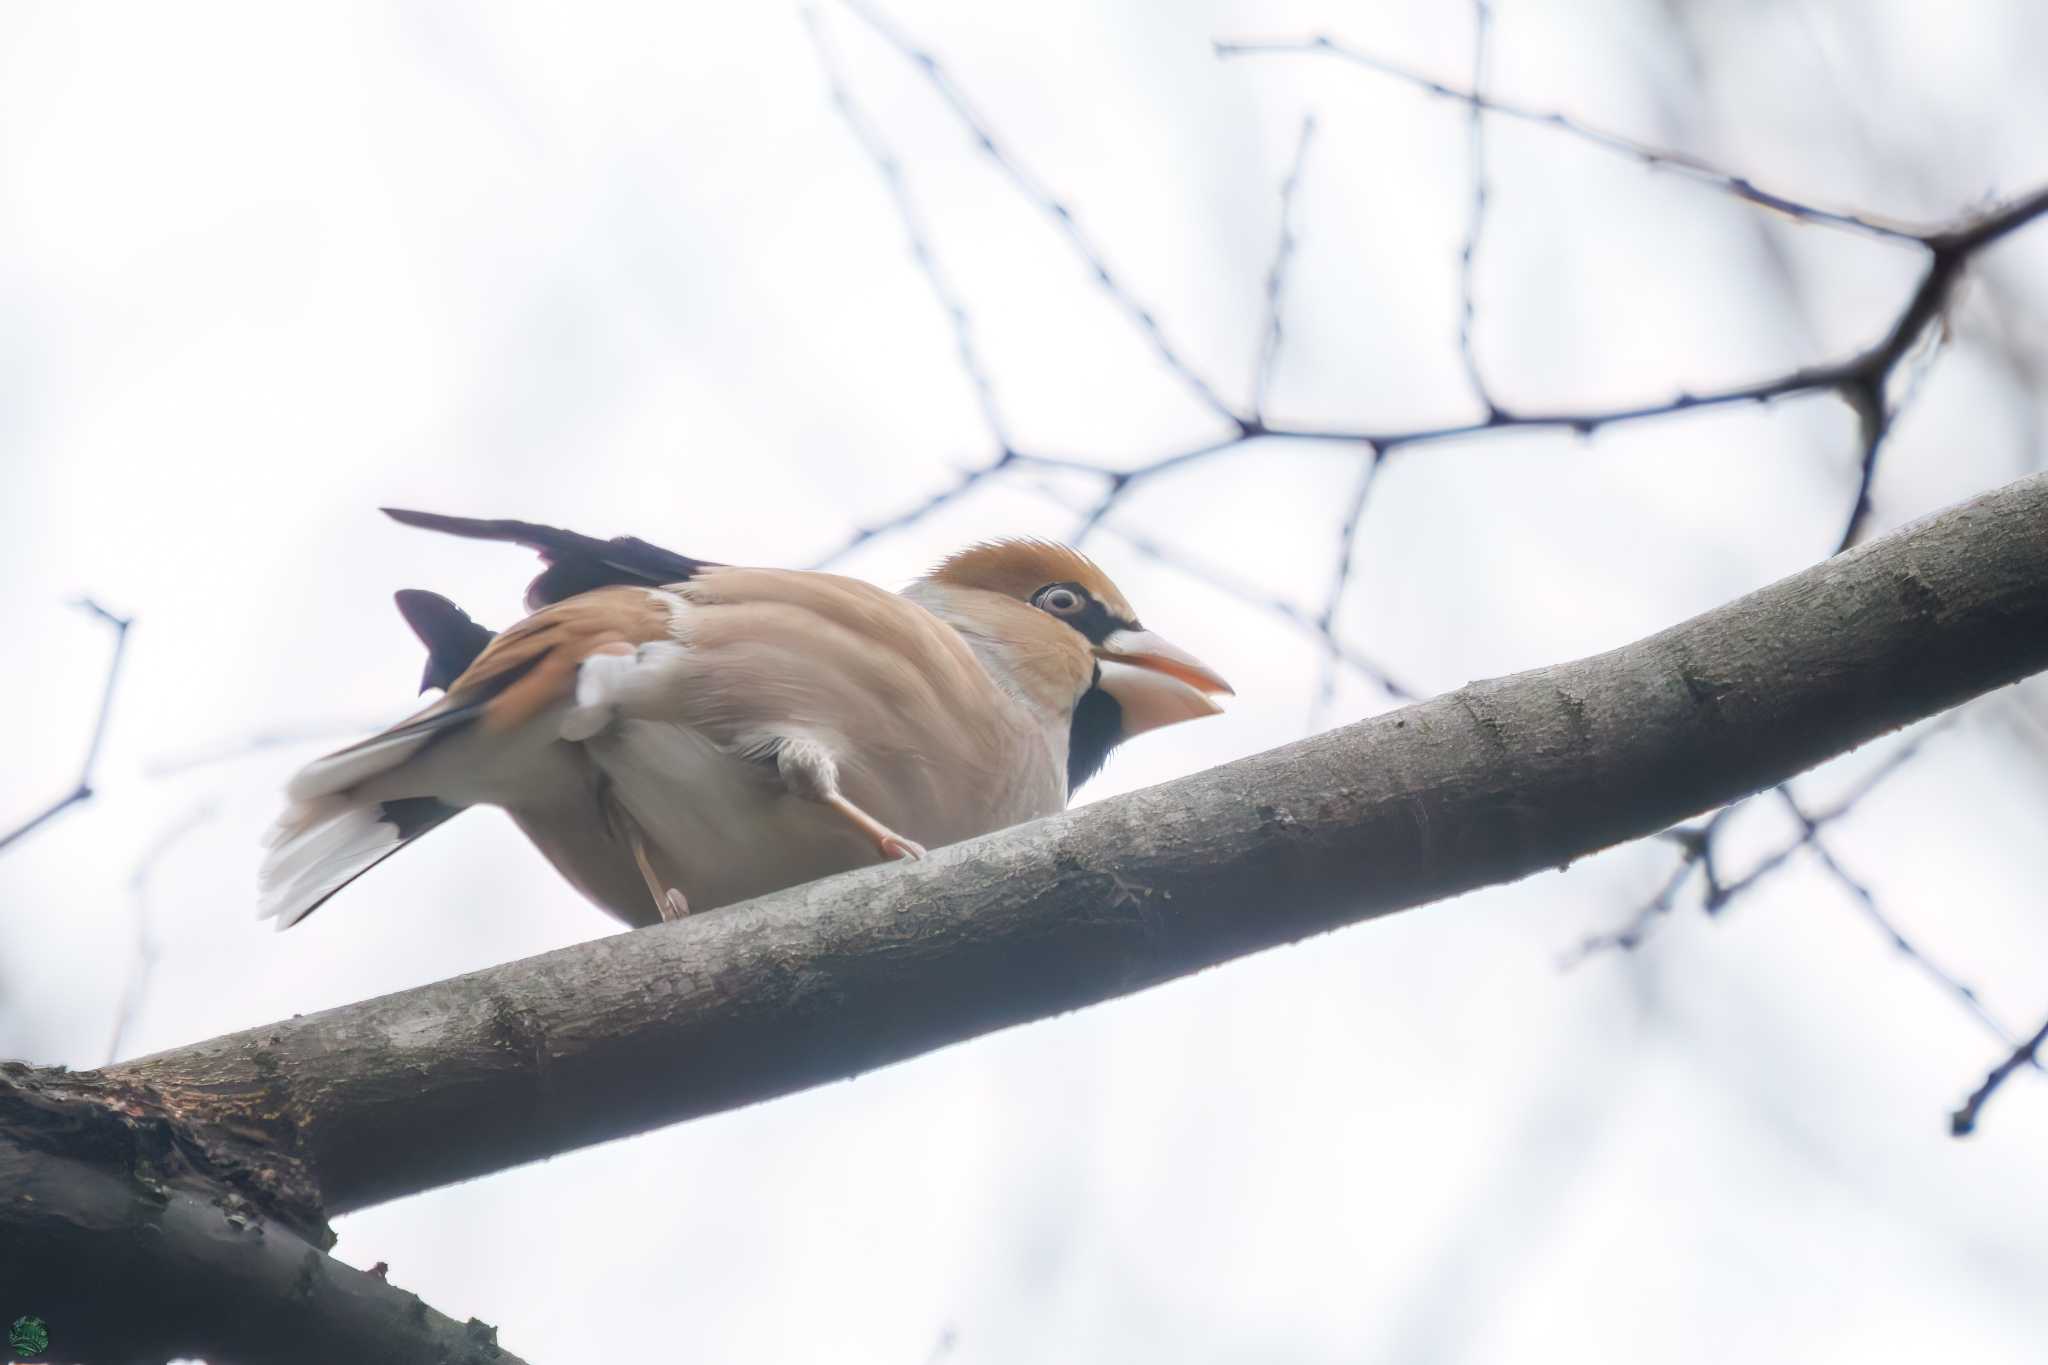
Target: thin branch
(967, 480)
(1271, 335)
(81, 791)
(941, 80)
(1636, 150)
(1482, 24)
(1496, 781)
(1630, 935)
(1874, 418)
(869, 136)
(1963, 1122)
(1866, 901)
(1698, 845)
(147, 947)
(1113, 488)
(1340, 581)
(1219, 580)
(1861, 379)
(1865, 371)
(1700, 849)
(1876, 414)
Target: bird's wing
(916, 730)
(745, 657)
(777, 651)
(576, 563)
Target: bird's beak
(1156, 683)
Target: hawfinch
(676, 734)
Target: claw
(896, 846)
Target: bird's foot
(896, 846)
(887, 841)
(673, 905)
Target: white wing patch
(621, 681)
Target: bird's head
(1138, 680)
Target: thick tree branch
(138, 1236)
(1485, 785)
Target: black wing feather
(453, 640)
(576, 563)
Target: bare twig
(147, 947)
(1220, 580)
(1860, 379)
(1963, 1121)
(1648, 154)
(1271, 335)
(869, 136)
(81, 791)
(1630, 935)
(941, 80)
(1697, 841)
(1113, 488)
(1340, 580)
(1876, 414)
(1700, 848)
(966, 481)
(1482, 24)
(1866, 901)
(1699, 845)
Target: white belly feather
(722, 828)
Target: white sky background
(264, 268)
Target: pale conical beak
(1155, 682)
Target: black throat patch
(1097, 727)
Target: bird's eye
(1060, 600)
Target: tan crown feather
(1019, 568)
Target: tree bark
(1487, 784)
(137, 1236)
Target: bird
(676, 734)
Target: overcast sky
(264, 268)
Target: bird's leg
(888, 842)
(808, 771)
(669, 903)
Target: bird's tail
(319, 846)
(328, 835)
(332, 833)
